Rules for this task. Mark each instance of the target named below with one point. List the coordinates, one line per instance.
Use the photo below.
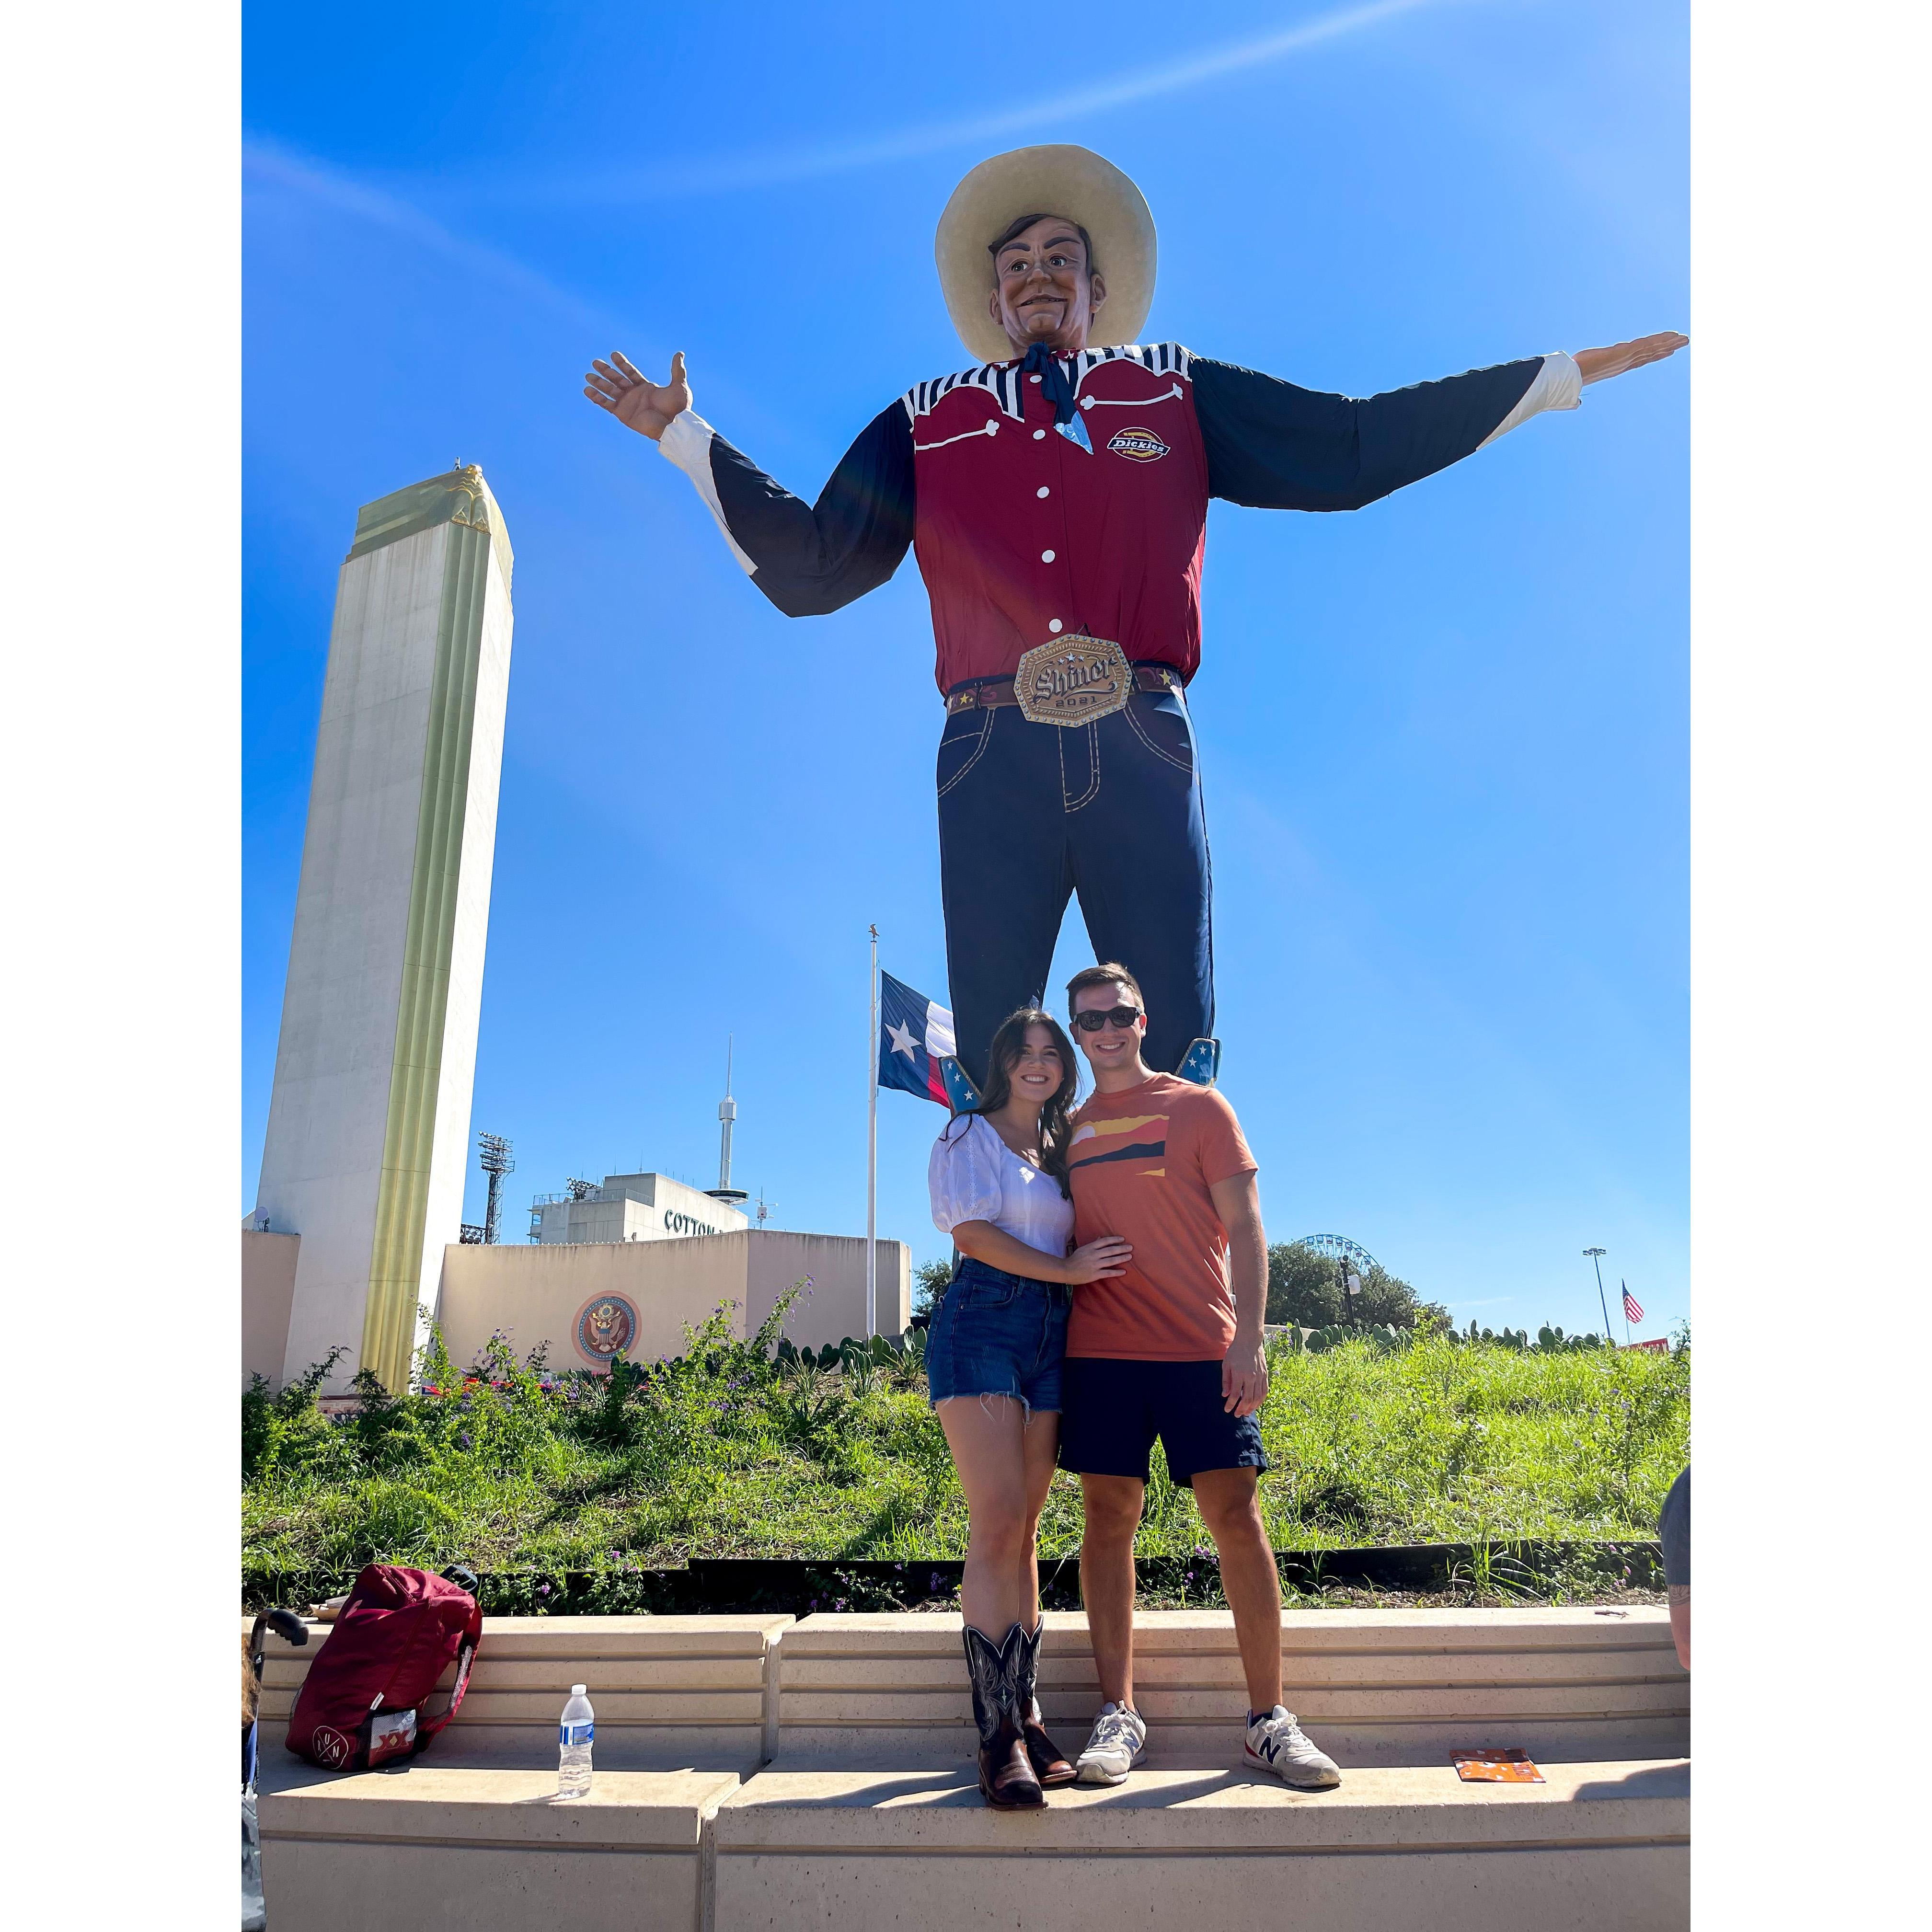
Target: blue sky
(1444, 739)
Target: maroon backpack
(361, 1704)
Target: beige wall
(835, 1265)
(536, 1292)
(267, 1292)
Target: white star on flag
(901, 1040)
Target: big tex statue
(1057, 494)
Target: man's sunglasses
(1122, 1017)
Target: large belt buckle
(1073, 681)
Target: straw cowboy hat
(1056, 180)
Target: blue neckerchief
(1041, 361)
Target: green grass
(722, 1453)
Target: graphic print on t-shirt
(1174, 1302)
(1139, 1137)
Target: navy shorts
(1113, 1410)
(996, 1333)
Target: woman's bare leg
(1040, 1445)
(989, 1441)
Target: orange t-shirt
(1141, 1163)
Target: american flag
(1632, 1308)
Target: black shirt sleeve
(813, 559)
(1275, 447)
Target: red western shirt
(1023, 535)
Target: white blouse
(974, 1176)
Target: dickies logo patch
(1139, 445)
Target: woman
(998, 1178)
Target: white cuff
(1557, 385)
(687, 442)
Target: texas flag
(914, 1035)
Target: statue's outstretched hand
(1594, 365)
(637, 402)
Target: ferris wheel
(1339, 1248)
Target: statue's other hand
(1595, 365)
(637, 402)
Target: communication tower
(728, 1114)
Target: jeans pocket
(987, 1296)
(1160, 722)
(961, 745)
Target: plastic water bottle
(573, 1735)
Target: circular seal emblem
(331, 1747)
(605, 1323)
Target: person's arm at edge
(1244, 1376)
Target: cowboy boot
(1049, 1761)
(1006, 1777)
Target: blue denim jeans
(996, 1333)
(1029, 815)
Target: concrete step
(1371, 1687)
(1600, 1847)
(671, 1693)
(490, 1851)
(866, 1813)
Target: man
(1170, 1349)
(1673, 1530)
(1057, 494)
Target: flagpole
(1624, 1286)
(1591, 1255)
(872, 1145)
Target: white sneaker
(1276, 1744)
(1118, 1743)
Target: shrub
(758, 1448)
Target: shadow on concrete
(1647, 1781)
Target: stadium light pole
(1595, 1256)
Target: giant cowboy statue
(1057, 494)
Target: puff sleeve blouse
(974, 1176)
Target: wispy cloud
(267, 163)
(722, 173)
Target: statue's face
(1043, 290)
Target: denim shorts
(996, 1333)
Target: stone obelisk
(369, 1122)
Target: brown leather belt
(989, 693)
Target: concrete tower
(369, 1124)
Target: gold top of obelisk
(458, 496)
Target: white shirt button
(1042, 491)
(1053, 624)
(1039, 435)
(1033, 379)
(1046, 556)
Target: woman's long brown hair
(1056, 1123)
